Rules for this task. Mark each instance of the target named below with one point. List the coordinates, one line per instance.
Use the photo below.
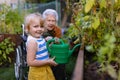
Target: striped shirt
(42, 52)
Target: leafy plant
(6, 47)
(10, 20)
(96, 24)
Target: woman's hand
(57, 40)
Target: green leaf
(90, 48)
(0, 51)
(112, 39)
(86, 18)
(89, 4)
(9, 59)
(11, 49)
(7, 51)
(111, 71)
(78, 22)
(102, 4)
(96, 23)
(4, 56)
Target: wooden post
(78, 71)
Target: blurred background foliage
(10, 20)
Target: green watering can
(60, 51)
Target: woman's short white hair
(50, 12)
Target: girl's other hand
(52, 62)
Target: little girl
(37, 54)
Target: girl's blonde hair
(30, 18)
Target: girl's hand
(48, 38)
(52, 62)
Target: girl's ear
(26, 30)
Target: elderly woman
(50, 17)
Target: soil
(91, 73)
(91, 70)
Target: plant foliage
(97, 22)
(10, 20)
(6, 47)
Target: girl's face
(36, 29)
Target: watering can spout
(71, 51)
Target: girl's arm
(31, 53)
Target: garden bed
(13, 39)
(91, 69)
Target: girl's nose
(41, 28)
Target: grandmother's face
(50, 21)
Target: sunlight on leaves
(111, 71)
(102, 4)
(96, 23)
(89, 4)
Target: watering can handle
(53, 40)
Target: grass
(7, 73)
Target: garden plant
(10, 24)
(6, 47)
(10, 20)
(96, 24)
